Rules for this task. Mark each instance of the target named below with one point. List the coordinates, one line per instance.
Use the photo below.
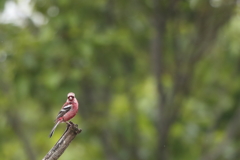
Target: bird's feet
(69, 123)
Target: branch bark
(71, 132)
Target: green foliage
(101, 51)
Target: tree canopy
(155, 79)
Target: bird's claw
(69, 123)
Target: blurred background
(155, 79)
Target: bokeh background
(155, 79)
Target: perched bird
(67, 112)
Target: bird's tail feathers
(54, 127)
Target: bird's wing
(64, 110)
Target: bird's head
(71, 96)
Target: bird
(67, 112)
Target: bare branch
(71, 132)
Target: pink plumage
(67, 112)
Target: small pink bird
(68, 111)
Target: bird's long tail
(54, 127)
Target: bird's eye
(70, 97)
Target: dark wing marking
(64, 110)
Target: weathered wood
(71, 132)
